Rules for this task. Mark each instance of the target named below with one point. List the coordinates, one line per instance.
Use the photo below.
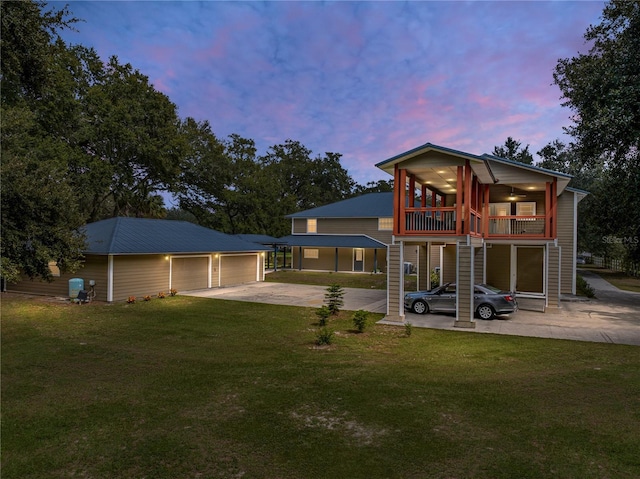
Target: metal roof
(260, 239)
(148, 236)
(371, 205)
(333, 241)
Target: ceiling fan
(515, 195)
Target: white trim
(110, 278)
(209, 271)
(575, 244)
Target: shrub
(360, 318)
(408, 328)
(131, 299)
(147, 298)
(435, 278)
(173, 291)
(324, 337)
(333, 298)
(323, 314)
(584, 288)
(161, 295)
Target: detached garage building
(137, 257)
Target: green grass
(346, 280)
(191, 387)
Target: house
(348, 236)
(137, 257)
(481, 219)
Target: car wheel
(420, 307)
(485, 311)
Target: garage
(189, 273)
(238, 269)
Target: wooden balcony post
(547, 210)
(554, 208)
(423, 196)
(485, 212)
(402, 199)
(459, 196)
(412, 190)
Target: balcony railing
(442, 221)
(517, 225)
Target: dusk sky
(368, 80)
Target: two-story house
(481, 219)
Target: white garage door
(189, 273)
(237, 269)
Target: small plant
(333, 298)
(161, 295)
(360, 318)
(324, 337)
(131, 299)
(323, 314)
(435, 278)
(147, 298)
(408, 329)
(173, 291)
(584, 288)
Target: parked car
(488, 300)
(581, 260)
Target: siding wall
(345, 226)
(448, 269)
(464, 287)
(553, 273)
(566, 229)
(478, 260)
(395, 283)
(94, 268)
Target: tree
(380, 186)
(130, 142)
(512, 150)
(41, 216)
(602, 88)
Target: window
(385, 224)
(526, 208)
(311, 253)
(55, 270)
(312, 225)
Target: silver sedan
(488, 300)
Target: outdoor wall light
(166, 257)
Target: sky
(368, 80)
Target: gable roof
(260, 239)
(148, 236)
(371, 205)
(333, 241)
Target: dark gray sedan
(488, 300)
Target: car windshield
(493, 289)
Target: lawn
(617, 278)
(346, 280)
(191, 387)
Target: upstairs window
(312, 225)
(385, 224)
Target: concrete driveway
(613, 317)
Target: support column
(423, 267)
(395, 283)
(553, 277)
(464, 286)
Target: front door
(358, 259)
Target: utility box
(75, 286)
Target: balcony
(441, 221)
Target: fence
(617, 265)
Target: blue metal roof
(333, 241)
(371, 205)
(260, 239)
(148, 236)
